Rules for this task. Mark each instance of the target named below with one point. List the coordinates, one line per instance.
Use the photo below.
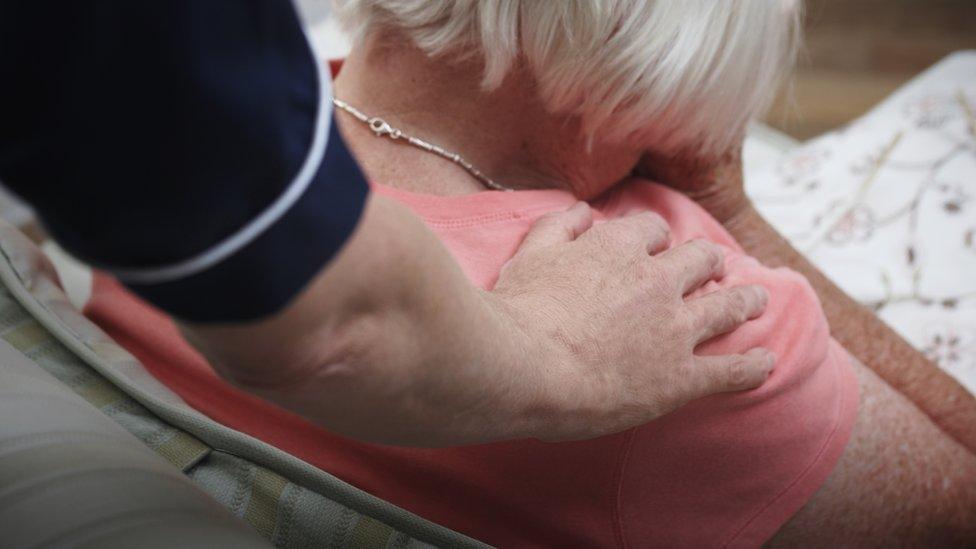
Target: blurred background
(856, 52)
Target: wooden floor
(856, 52)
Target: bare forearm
(584, 334)
(390, 344)
(865, 335)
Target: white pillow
(886, 207)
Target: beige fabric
(69, 476)
(286, 500)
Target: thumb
(558, 227)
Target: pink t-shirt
(727, 470)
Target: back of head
(682, 76)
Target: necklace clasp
(380, 127)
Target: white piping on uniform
(267, 218)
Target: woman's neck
(506, 133)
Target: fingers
(646, 231)
(692, 264)
(726, 373)
(557, 227)
(721, 312)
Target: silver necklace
(381, 128)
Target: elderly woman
(450, 104)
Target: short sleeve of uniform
(186, 146)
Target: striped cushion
(288, 501)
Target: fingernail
(762, 294)
(579, 206)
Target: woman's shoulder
(687, 219)
(793, 322)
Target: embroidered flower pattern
(803, 166)
(956, 197)
(930, 111)
(952, 347)
(856, 225)
(886, 206)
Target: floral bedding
(886, 206)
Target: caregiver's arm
(188, 148)
(585, 334)
(718, 187)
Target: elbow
(287, 359)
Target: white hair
(683, 75)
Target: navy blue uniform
(187, 146)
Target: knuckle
(656, 280)
(550, 219)
(698, 381)
(650, 271)
(647, 279)
(660, 234)
(736, 307)
(553, 223)
(709, 251)
(617, 235)
(738, 373)
(686, 326)
(660, 221)
(652, 221)
(666, 232)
